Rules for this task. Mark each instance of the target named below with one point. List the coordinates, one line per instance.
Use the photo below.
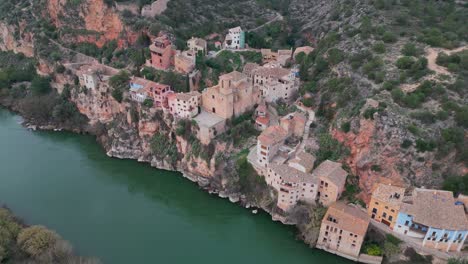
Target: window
(374, 210)
(406, 223)
(384, 215)
(376, 203)
(390, 218)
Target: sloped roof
(273, 72)
(392, 195)
(291, 175)
(437, 209)
(272, 135)
(349, 218)
(332, 171)
(304, 159)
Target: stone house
(343, 230)
(385, 204)
(262, 120)
(281, 56)
(435, 218)
(184, 105)
(303, 161)
(210, 125)
(294, 123)
(332, 181)
(162, 53)
(156, 91)
(235, 39)
(268, 144)
(184, 62)
(274, 83)
(292, 185)
(232, 96)
(94, 75)
(197, 45)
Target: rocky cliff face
(91, 21)
(16, 39)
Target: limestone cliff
(91, 21)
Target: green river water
(121, 211)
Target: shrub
(346, 127)
(36, 240)
(379, 47)
(406, 143)
(40, 85)
(456, 184)
(423, 146)
(373, 250)
(409, 49)
(330, 149)
(405, 62)
(389, 37)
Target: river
(121, 211)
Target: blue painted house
(435, 217)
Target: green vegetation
(34, 244)
(456, 184)
(455, 63)
(457, 261)
(250, 182)
(330, 149)
(373, 249)
(163, 148)
(119, 84)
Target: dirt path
(278, 17)
(431, 56)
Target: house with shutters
(385, 204)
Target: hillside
(376, 79)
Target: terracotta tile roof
(197, 41)
(272, 72)
(292, 175)
(332, 171)
(263, 120)
(304, 159)
(437, 209)
(389, 194)
(349, 218)
(272, 135)
(249, 67)
(234, 76)
(187, 96)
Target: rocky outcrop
(16, 39)
(93, 21)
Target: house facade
(332, 180)
(294, 123)
(184, 105)
(385, 204)
(235, 39)
(268, 144)
(210, 125)
(292, 185)
(274, 83)
(197, 45)
(232, 96)
(343, 230)
(156, 91)
(434, 217)
(162, 53)
(184, 62)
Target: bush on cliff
(163, 148)
(119, 84)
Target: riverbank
(20, 243)
(123, 211)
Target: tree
(409, 49)
(40, 85)
(36, 240)
(119, 83)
